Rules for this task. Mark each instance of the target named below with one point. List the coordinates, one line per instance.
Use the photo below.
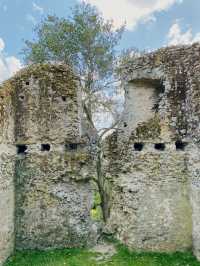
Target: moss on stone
(147, 130)
(96, 211)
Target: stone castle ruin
(151, 163)
(45, 166)
(153, 160)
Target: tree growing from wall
(88, 43)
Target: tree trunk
(101, 186)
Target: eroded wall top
(40, 104)
(162, 95)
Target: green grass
(81, 257)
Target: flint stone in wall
(52, 207)
(150, 202)
(46, 105)
(7, 165)
(194, 174)
(154, 203)
(45, 163)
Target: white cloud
(131, 11)
(9, 65)
(2, 45)
(176, 36)
(31, 19)
(38, 8)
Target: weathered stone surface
(152, 161)
(7, 169)
(7, 165)
(174, 74)
(194, 173)
(45, 100)
(45, 164)
(150, 203)
(6, 114)
(53, 201)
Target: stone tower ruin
(153, 160)
(45, 166)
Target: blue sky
(150, 23)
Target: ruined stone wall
(47, 105)
(46, 166)
(53, 200)
(150, 202)
(152, 161)
(53, 191)
(194, 174)
(7, 165)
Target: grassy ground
(80, 257)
